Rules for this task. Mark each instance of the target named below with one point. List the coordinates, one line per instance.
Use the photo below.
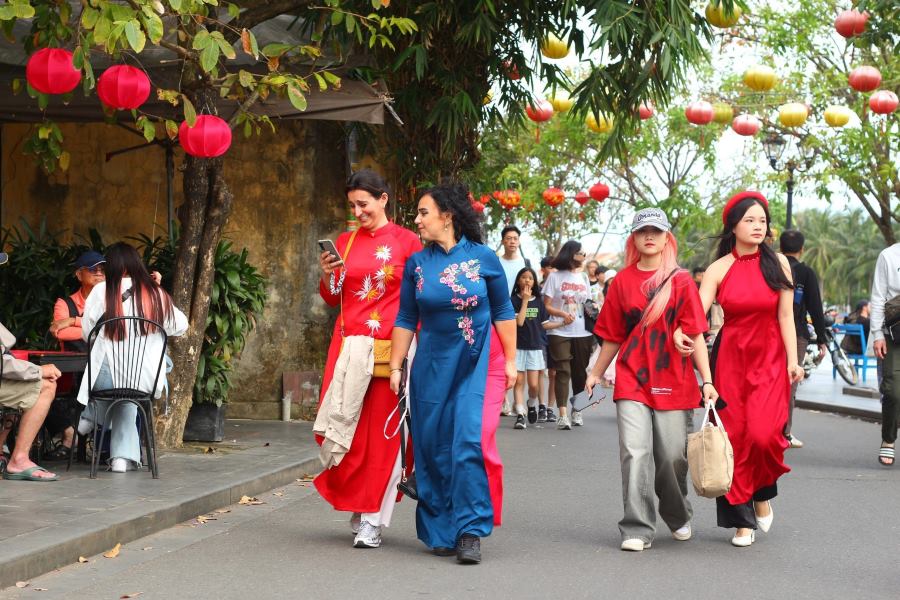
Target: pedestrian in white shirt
(886, 336)
(129, 290)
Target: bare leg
(29, 425)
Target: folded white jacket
(339, 412)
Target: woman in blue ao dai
(455, 292)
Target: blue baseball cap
(89, 259)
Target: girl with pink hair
(655, 387)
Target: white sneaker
(118, 465)
(576, 419)
(683, 534)
(355, 519)
(563, 423)
(634, 545)
(369, 536)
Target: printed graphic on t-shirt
(571, 294)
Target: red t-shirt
(649, 369)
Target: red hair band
(742, 196)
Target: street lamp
(774, 146)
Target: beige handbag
(710, 457)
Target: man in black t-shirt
(807, 299)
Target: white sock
(520, 410)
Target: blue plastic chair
(860, 361)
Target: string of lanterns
(52, 71)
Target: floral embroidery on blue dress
(420, 279)
(449, 277)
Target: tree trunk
(206, 208)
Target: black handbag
(407, 485)
(591, 311)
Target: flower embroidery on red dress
(374, 284)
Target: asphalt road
(836, 535)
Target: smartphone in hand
(328, 246)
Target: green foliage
(40, 271)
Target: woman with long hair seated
(129, 290)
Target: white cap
(609, 273)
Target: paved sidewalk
(825, 393)
(44, 526)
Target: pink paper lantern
(864, 79)
(582, 198)
(746, 125)
(540, 111)
(123, 87)
(209, 137)
(50, 71)
(850, 23)
(699, 113)
(883, 102)
(645, 111)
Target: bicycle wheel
(844, 366)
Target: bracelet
(706, 383)
(398, 369)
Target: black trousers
(742, 516)
(890, 386)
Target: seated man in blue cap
(66, 326)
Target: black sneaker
(520, 422)
(551, 416)
(542, 414)
(468, 549)
(533, 415)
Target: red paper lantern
(851, 22)
(508, 198)
(645, 111)
(209, 137)
(511, 70)
(540, 111)
(865, 79)
(746, 125)
(582, 198)
(599, 192)
(554, 196)
(485, 199)
(699, 113)
(50, 71)
(123, 87)
(478, 206)
(883, 102)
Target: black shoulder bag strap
(73, 310)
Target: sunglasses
(95, 270)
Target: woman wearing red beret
(755, 360)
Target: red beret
(742, 196)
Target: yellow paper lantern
(553, 47)
(488, 97)
(561, 102)
(760, 78)
(793, 114)
(715, 14)
(722, 113)
(603, 125)
(837, 116)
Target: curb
(849, 411)
(63, 545)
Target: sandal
(28, 475)
(885, 454)
(59, 452)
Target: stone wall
(288, 189)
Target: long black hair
(453, 197)
(535, 289)
(150, 300)
(565, 259)
(768, 260)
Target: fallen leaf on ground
(222, 511)
(209, 450)
(23, 584)
(279, 494)
(147, 548)
(40, 589)
(82, 559)
(266, 444)
(251, 500)
(131, 595)
(114, 552)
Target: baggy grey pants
(653, 455)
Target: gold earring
(446, 226)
